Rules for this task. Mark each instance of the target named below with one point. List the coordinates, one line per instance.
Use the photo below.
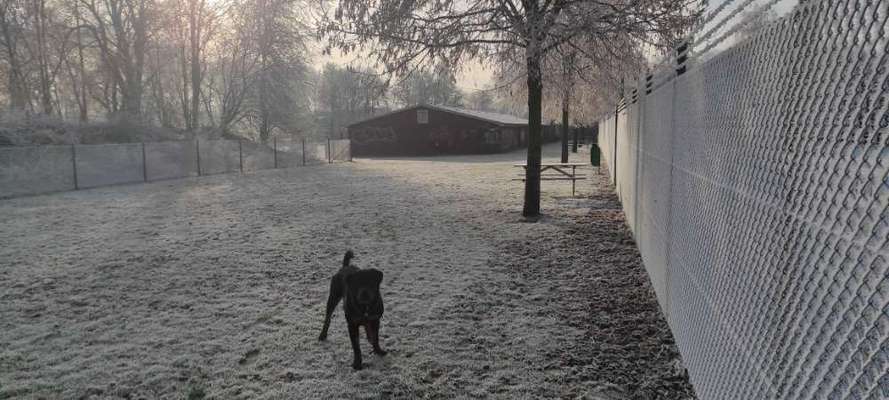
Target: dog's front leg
(373, 336)
(336, 292)
(356, 347)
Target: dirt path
(214, 287)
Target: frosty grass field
(214, 287)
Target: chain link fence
(753, 166)
(27, 170)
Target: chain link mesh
(757, 186)
(340, 150)
(26, 170)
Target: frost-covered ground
(214, 287)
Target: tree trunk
(135, 62)
(43, 58)
(18, 91)
(81, 90)
(19, 98)
(532, 172)
(132, 98)
(264, 113)
(574, 145)
(565, 127)
(196, 78)
(184, 92)
(567, 66)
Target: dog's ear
(377, 275)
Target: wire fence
(28, 170)
(753, 166)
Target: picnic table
(560, 172)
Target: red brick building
(432, 130)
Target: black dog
(363, 304)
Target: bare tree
(481, 100)
(192, 24)
(36, 43)
(258, 76)
(12, 34)
(39, 49)
(236, 70)
(346, 95)
(77, 68)
(280, 46)
(121, 31)
(566, 88)
(435, 86)
(402, 34)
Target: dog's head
(364, 288)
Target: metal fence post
(144, 166)
(275, 150)
(668, 230)
(640, 115)
(197, 150)
(74, 165)
(240, 157)
(304, 151)
(329, 153)
(614, 152)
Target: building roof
(495, 118)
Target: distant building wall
(409, 132)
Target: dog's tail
(348, 257)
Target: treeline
(131, 70)
(236, 66)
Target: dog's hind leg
(336, 293)
(373, 336)
(356, 347)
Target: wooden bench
(560, 172)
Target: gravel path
(214, 287)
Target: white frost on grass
(216, 285)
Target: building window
(422, 116)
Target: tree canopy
(428, 86)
